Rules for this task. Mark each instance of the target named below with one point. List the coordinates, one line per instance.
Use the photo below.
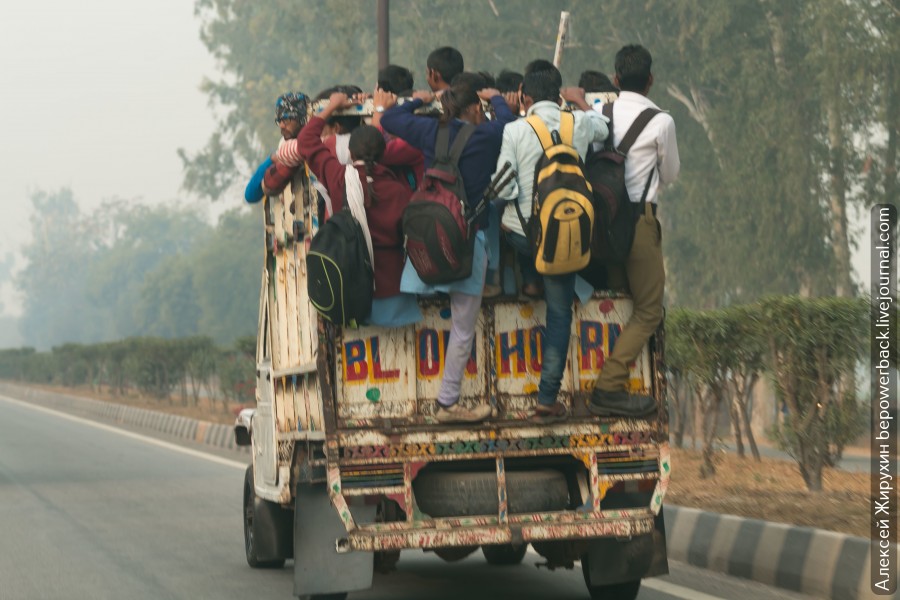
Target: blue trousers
(559, 293)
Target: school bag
(562, 215)
(339, 271)
(440, 238)
(614, 212)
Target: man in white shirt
(653, 156)
(522, 148)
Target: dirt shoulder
(773, 490)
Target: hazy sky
(97, 95)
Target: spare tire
(455, 494)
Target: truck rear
(348, 460)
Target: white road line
(665, 587)
(129, 434)
(678, 591)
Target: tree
(54, 283)
(226, 277)
(813, 345)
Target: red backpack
(440, 239)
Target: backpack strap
(636, 128)
(540, 128)
(460, 141)
(566, 127)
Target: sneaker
(621, 404)
(552, 413)
(457, 413)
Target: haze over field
(97, 96)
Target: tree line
(184, 368)
(129, 270)
(809, 349)
(787, 112)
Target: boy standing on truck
(441, 67)
(652, 162)
(461, 109)
(522, 149)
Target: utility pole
(384, 33)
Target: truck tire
(451, 494)
(503, 555)
(627, 590)
(250, 501)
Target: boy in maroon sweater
(385, 197)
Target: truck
(349, 466)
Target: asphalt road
(91, 512)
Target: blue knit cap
(291, 105)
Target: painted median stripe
(851, 566)
(740, 560)
(792, 558)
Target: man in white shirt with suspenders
(651, 162)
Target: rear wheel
(504, 554)
(627, 590)
(250, 501)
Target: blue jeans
(559, 293)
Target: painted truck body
(348, 460)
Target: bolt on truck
(350, 467)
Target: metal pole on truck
(384, 41)
(561, 36)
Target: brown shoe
(553, 413)
(533, 290)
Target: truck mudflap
(605, 461)
(319, 566)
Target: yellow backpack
(562, 215)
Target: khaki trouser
(646, 280)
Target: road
(92, 512)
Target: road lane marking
(129, 434)
(663, 586)
(678, 591)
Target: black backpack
(339, 275)
(614, 213)
(440, 239)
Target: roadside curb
(203, 432)
(803, 559)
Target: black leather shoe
(621, 404)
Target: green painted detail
(666, 467)
(336, 488)
(373, 395)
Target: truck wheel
(451, 494)
(249, 516)
(627, 590)
(504, 554)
